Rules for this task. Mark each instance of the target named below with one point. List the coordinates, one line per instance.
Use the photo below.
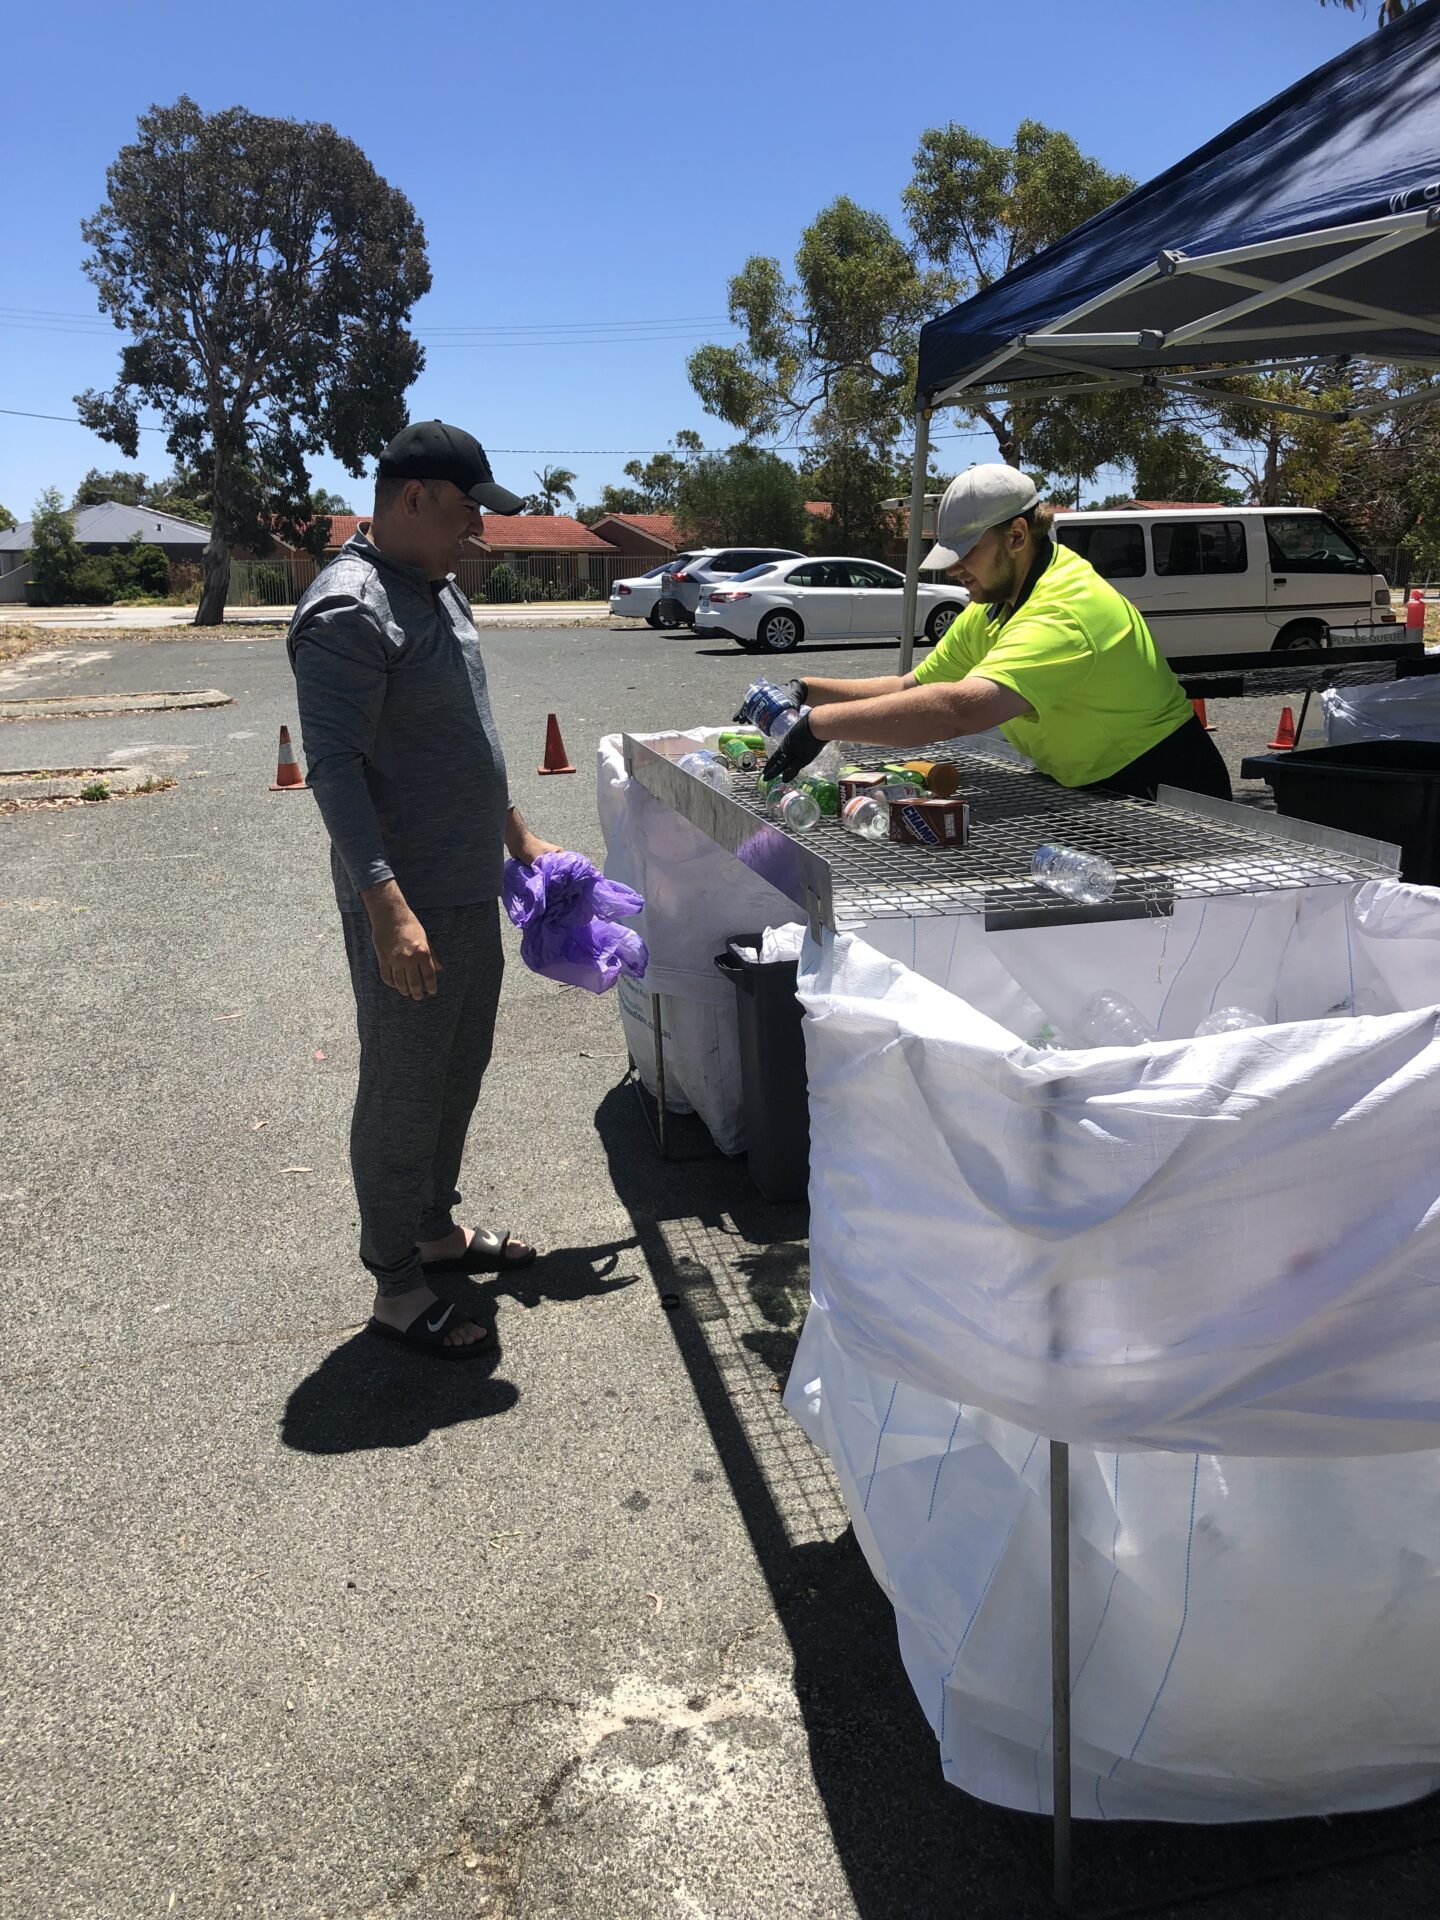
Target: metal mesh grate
(1159, 853)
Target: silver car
(638, 597)
(684, 586)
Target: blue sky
(589, 177)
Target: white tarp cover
(1220, 1248)
(696, 895)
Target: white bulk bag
(1399, 710)
(1210, 1248)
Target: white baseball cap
(980, 497)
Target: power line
(546, 453)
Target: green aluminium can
(742, 750)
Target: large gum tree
(265, 274)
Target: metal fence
(534, 580)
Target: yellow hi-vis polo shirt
(1081, 657)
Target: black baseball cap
(429, 450)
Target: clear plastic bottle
(1085, 877)
(782, 724)
(867, 817)
(1230, 1020)
(1109, 1020)
(794, 808)
(709, 767)
(765, 704)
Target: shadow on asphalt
(367, 1395)
(909, 1844)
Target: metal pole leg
(661, 1110)
(915, 542)
(1060, 1662)
(1304, 709)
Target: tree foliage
(266, 274)
(742, 495)
(831, 352)
(978, 210)
(1386, 11)
(7, 520)
(1176, 463)
(55, 554)
(130, 488)
(556, 484)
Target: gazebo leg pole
(1060, 1665)
(916, 538)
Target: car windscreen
(754, 573)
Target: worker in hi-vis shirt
(1047, 651)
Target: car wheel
(939, 623)
(750, 646)
(780, 632)
(1302, 633)
(652, 619)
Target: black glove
(795, 751)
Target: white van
(1233, 579)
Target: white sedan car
(638, 597)
(773, 607)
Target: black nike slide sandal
(485, 1254)
(426, 1334)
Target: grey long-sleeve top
(400, 743)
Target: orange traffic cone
(1284, 739)
(288, 777)
(1201, 715)
(555, 761)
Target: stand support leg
(1060, 1663)
(662, 1111)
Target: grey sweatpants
(421, 1064)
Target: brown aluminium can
(942, 777)
(931, 822)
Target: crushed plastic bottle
(1230, 1020)
(793, 807)
(867, 817)
(707, 766)
(1084, 877)
(1109, 1020)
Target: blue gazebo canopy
(1309, 228)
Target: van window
(1305, 543)
(1198, 546)
(1114, 548)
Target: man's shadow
(369, 1394)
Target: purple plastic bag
(591, 954)
(566, 908)
(565, 887)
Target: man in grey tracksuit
(405, 762)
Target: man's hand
(401, 944)
(403, 950)
(795, 751)
(531, 850)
